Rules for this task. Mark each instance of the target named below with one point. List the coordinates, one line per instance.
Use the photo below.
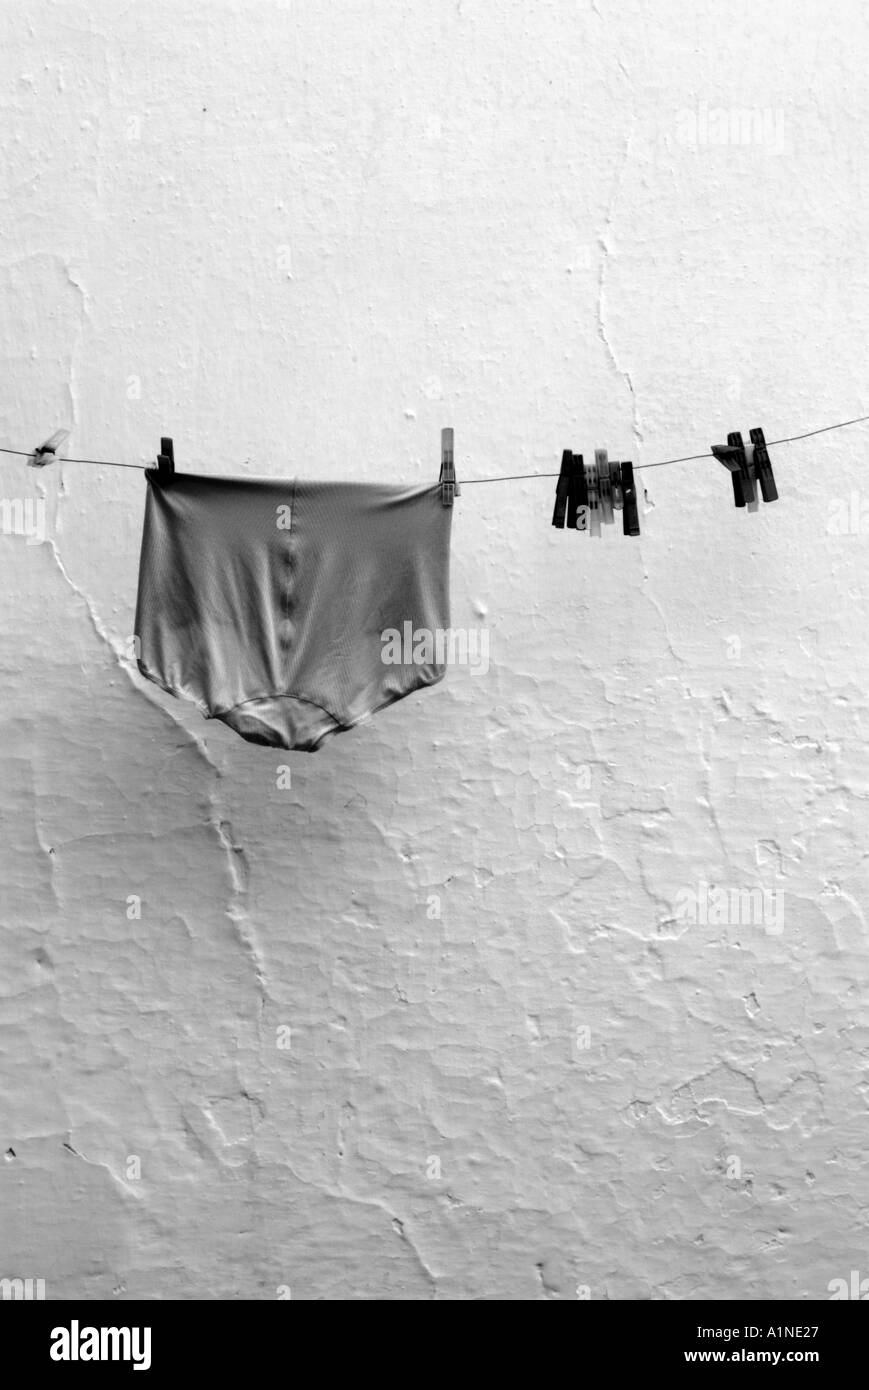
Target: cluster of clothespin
(748, 465)
(588, 495)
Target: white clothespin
(752, 504)
(447, 479)
(47, 452)
(592, 483)
(601, 459)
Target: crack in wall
(131, 1188)
(236, 911)
(398, 1225)
(125, 664)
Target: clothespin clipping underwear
(47, 452)
(166, 459)
(447, 480)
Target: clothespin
(579, 494)
(605, 487)
(749, 483)
(449, 487)
(592, 483)
(571, 497)
(563, 489)
(47, 452)
(616, 481)
(763, 467)
(733, 459)
(165, 460)
(630, 512)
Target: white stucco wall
(300, 239)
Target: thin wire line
(823, 430)
(507, 477)
(101, 463)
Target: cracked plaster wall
(300, 240)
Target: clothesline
(507, 477)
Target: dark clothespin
(562, 491)
(763, 467)
(570, 493)
(630, 512)
(733, 458)
(47, 452)
(579, 495)
(449, 487)
(746, 472)
(165, 459)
